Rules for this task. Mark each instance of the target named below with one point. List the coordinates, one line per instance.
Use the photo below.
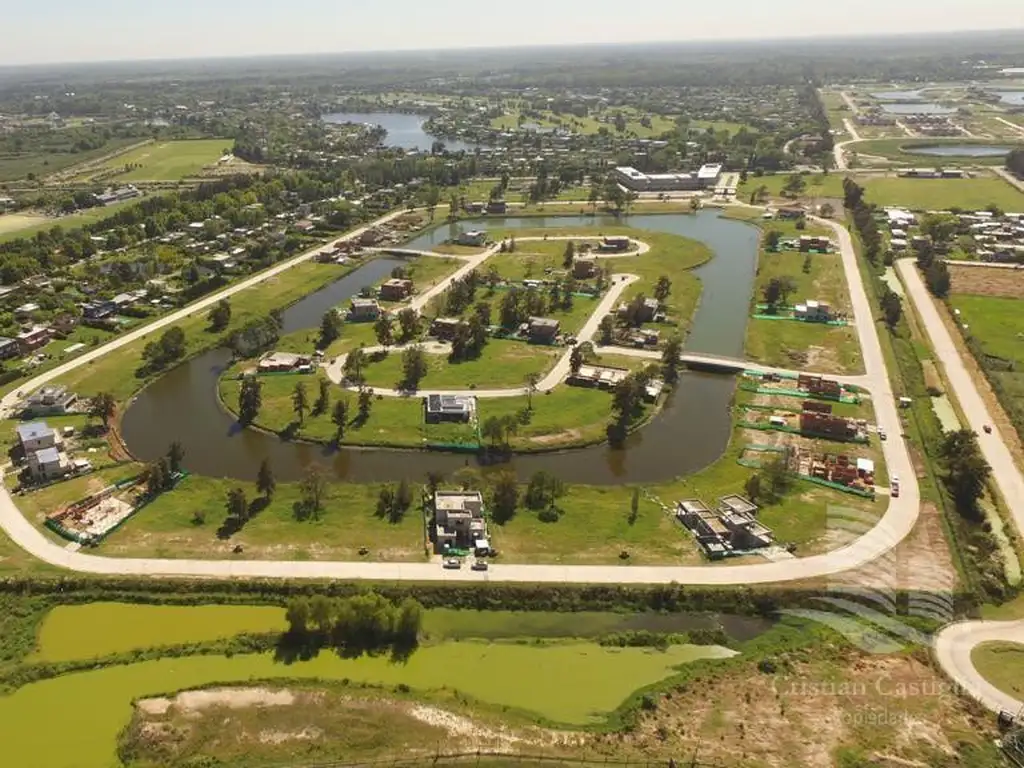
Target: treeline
(366, 623)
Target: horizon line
(523, 46)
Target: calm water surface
(691, 432)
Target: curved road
(953, 645)
(895, 525)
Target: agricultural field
(164, 161)
(55, 158)
(943, 194)
(16, 225)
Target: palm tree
(532, 380)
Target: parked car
(480, 565)
(452, 563)
(881, 434)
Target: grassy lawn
(167, 527)
(942, 194)
(393, 421)
(168, 161)
(997, 323)
(115, 372)
(564, 416)
(783, 343)
(27, 228)
(575, 684)
(818, 185)
(12, 222)
(501, 364)
(44, 163)
(1002, 665)
(670, 255)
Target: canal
(690, 433)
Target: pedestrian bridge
(704, 361)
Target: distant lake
(898, 95)
(404, 131)
(1011, 97)
(958, 150)
(918, 108)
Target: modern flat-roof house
(363, 310)
(35, 436)
(813, 311)
(49, 401)
(810, 243)
(281, 362)
(118, 195)
(459, 521)
(8, 348)
(49, 464)
(474, 237)
(444, 328)
(543, 330)
(617, 244)
(35, 337)
(600, 376)
(648, 310)
(584, 268)
(396, 289)
(448, 408)
(497, 206)
(732, 528)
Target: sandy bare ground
(988, 281)
(232, 698)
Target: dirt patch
(483, 737)
(232, 698)
(988, 281)
(805, 712)
(567, 435)
(280, 737)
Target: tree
(384, 330)
(155, 479)
(312, 488)
(531, 380)
(385, 501)
(492, 430)
(300, 401)
(634, 507)
(662, 288)
(794, 186)
(238, 506)
(776, 474)
(297, 616)
(355, 364)
(339, 417)
(778, 290)
(434, 480)
(827, 211)
(569, 255)
(753, 487)
(408, 324)
(250, 398)
(175, 455)
(365, 404)
(504, 496)
(265, 482)
(321, 614)
(103, 406)
(414, 368)
(967, 472)
(892, 308)
(606, 330)
(576, 360)
(1015, 162)
(543, 490)
(670, 359)
(937, 278)
(220, 315)
(331, 325)
(940, 227)
(483, 311)
(771, 240)
(323, 398)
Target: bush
(549, 515)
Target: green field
(575, 684)
(943, 194)
(501, 364)
(24, 225)
(818, 186)
(44, 163)
(167, 161)
(1002, 665)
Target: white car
(452, 563)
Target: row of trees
(367, 623)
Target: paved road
(839, 150)
(1014, 126)
(894, 526)
(954, 644)
(1009, 177)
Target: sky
(106, 30)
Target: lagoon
(404, 131)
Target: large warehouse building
(637, 181)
